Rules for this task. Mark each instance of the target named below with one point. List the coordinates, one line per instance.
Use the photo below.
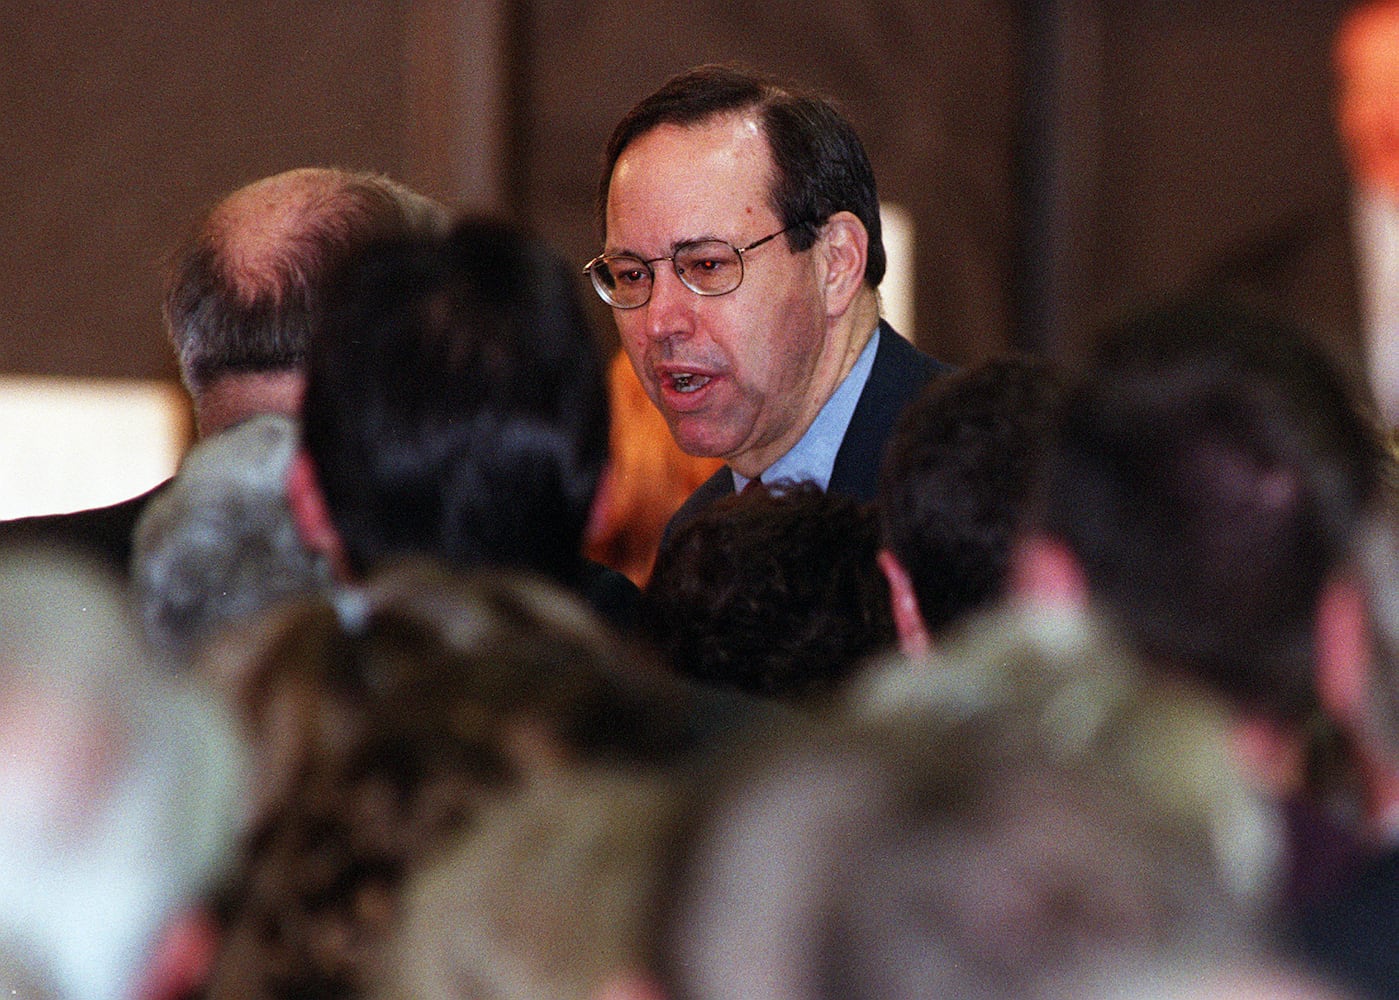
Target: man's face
(737, 375)
(1367, 61)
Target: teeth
(688, 382)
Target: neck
(846, 336)
(231, 399)
(862, 317)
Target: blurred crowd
(418, 680)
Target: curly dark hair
(776, 593)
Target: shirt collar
(813, 458)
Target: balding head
(245, 288)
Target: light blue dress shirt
(814, 457)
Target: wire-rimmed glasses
(706, 267)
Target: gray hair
(218, 543)
(121, 788)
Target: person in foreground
(1352, 932)
(742, 259)
(1029, 816)
(122, 791)
(960, 474)
(455, 408)
(1210, 473)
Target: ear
(845, 246)
(1045, 570)
(914, 640)
(179, 963)
(311, 516)
(1343, 653)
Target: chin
(696, 445)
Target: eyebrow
(677, 244)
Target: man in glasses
(742, 257)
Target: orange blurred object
(649, 478)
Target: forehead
(679, 182)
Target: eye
(628, 272)
(706, 260)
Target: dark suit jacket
(899, 372)
(104, 532)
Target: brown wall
(1196, 131)
(931, 89)
(124, 121)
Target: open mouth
(688, 382)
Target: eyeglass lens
(708, 268)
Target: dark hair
(1210, 472)
(958, 477)
(217, 328)
(775, 594)
(819, 164)
(455, 403)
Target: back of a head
(542, 899)
(820, 164)
(455, 404)
(1029, 817)
(218, 542)
(775, 593)
(121, 789)
(958, 477)
(1210, 471)
(245, 288)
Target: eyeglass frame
(589, 268)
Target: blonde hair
(544, 899)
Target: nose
(670, 312)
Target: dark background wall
(124, 121)
(1061, 161)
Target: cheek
(633, 341)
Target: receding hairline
(252, 232)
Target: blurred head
(958, 478)
(386, 720)
(545, 897)
(1366, 55)
(121, 788)
(455, 404)
(218, 542)
(982, 828)
(246, 286)
(776, 593)
(1210, 472)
